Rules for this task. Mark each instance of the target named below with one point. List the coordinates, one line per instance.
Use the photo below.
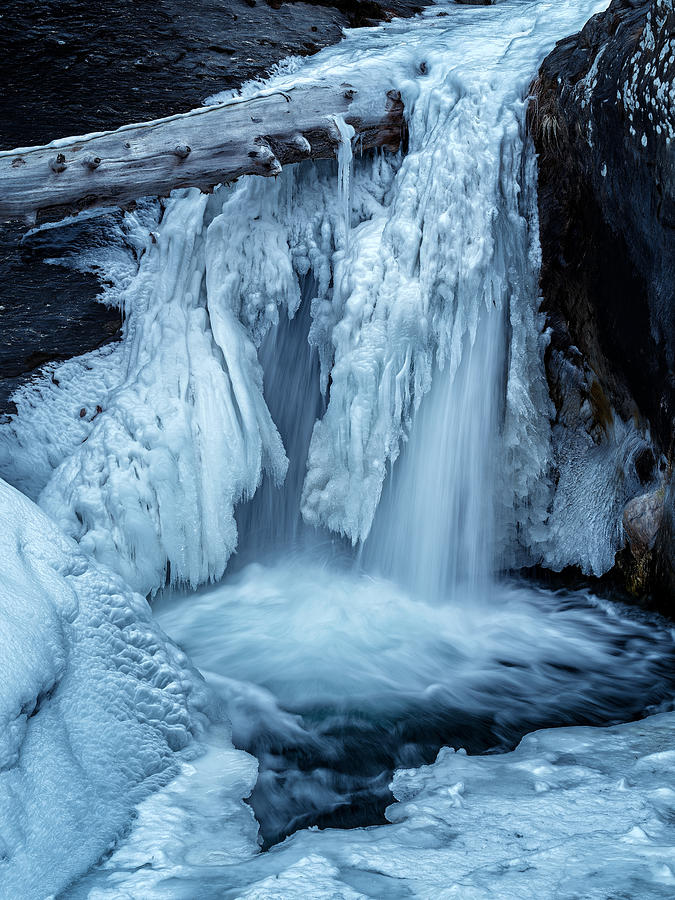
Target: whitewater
(322, 450)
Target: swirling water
(337, 667)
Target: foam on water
(332, 678)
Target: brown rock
(642, 518)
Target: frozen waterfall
(320, 447)
(416, 268)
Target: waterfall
(271, 520)
(321, 442)
(417, 274)
(434, 528)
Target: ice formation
(331, 326)
(419, 264)
(98, 708)
(572, 812)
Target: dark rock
(47, 312)
(603, 121)
(642, 518)
(647, 564)
(604, 127)
(662, 577)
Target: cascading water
(433, 531)
(379, 318)
(371, 660)
(271, 520)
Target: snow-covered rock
(98, 708)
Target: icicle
(345, 163)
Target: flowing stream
(365, 336)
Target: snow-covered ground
(98, 708)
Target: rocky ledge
(603, 120)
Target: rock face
(603, 121)
(642, 519)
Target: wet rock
(663, 566)
(641, 520)
(603, 122)
(647, 564)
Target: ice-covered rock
(604, 126)
(98, 708)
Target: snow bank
(97, 709)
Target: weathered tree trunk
(201, 148)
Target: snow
(97, 710)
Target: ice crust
(572, 812)
(412, 257)
(98, 708)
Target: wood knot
(300, 143)
(18, 161)
(57, 163)
(265, 156)
(182, 151)
(91, 162)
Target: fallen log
(201, 148)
